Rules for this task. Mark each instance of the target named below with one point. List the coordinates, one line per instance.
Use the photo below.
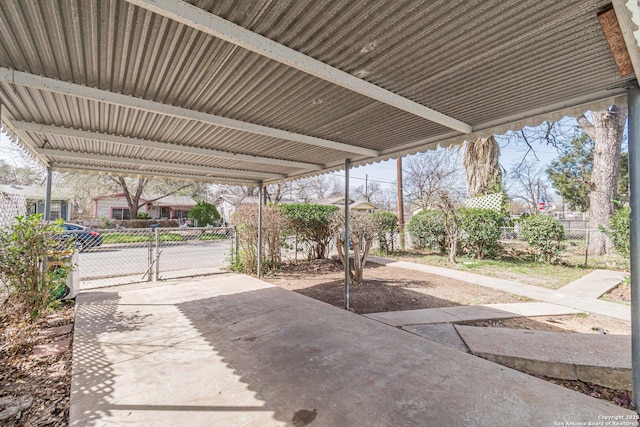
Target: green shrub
(544, 234)
(104, 222)
(24, 247)
(427, 230)
(143, 215)
(205, 214)
(387, 229)
(313, 225)
(619, 231)
(481, 229)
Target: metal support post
(47, 196)
(634, 204)
(259, 266)
(347, 236)
(151, 256)
(157, 255)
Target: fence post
(237, 255)
(586, 250)
(151, 255)
(157, 256)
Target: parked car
(83, 237)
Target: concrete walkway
(594, 284)
(465, 313)
(565, 297)
(234, 351)
(594, 358)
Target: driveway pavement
(231, 350)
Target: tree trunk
(606, 130)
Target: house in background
(228, 203)
(354, 205)
(33, 196)
(115, 206)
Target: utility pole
(400, 204)
(366, 187)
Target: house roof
(158, 199)
(363, 205)
(30, 192)
(261, 91)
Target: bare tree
(606, 129)
(427, 175)
(368, 192)
(317, 187)
(528, 183)
(481, 166)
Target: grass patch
(111, 238)
(212, 236)
(515, 265)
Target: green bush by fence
(544, 234)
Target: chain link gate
(137, 255)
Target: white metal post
(634, 203)
(259, 266)
(47, 197)
(347, 236)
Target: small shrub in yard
(24, 247)
(143, 215)
(205, 214)
(544, 234)
(387, 229)
(274, 226)
(481, 229)
(427, 230)
(313, 224)
(619, 231)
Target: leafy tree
(481, 229)
(544, 234)
(387, 229)
(606, 129)
(427, 230)
(204, 213)
(313, 224)
(570, 174)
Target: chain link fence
(576, 241)
(123, 256)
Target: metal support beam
(259, 266)
(215, 26)
(154, 163)
(347, 235)
(145, 143)
(634, 203)
(71, 167)
(47, 195)
(57, 86)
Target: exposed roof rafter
(63, 167)
(145, 143)
(155, 163)
(215, 26)
(57, 86)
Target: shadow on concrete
(92, 371)
(297, 355)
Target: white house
(115, 206)
(30, 200)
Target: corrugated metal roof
(491, 64)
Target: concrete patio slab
(235, 351)
(443, 333)
(469, 313)
(594, 284)
(594, 358)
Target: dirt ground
(384, 288)
(35, 392)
